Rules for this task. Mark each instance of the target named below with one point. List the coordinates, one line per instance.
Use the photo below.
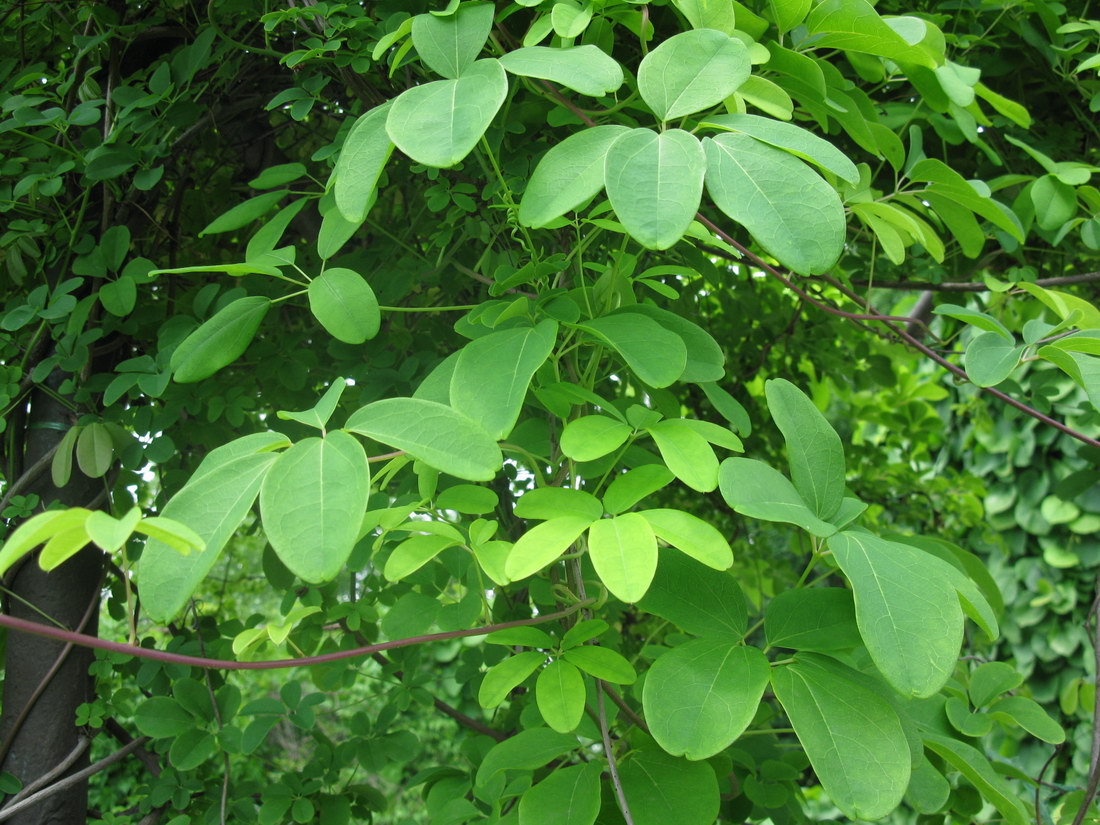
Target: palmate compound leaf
(692, 71)
(790, 211)
(439, 123)
(655, 182)
(907, 609)
(852, 736)
(493, 372)
(432, 432)
(220, 340)
(312, 501)
(699, 697)
(814, 450)
(568, 175)
(362, 159)
(585, 69)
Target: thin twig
(610, 754)
(625, 708)
(73, 779)
(45, 779)
(1039, 785)
(37, 629)
(973, 286)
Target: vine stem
(82, 640)
(1094, 757)
(620, 794)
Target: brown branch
(49, 776)
(972, 286)
(625, 708)
(37, 629)
(1094, 756)
(620, 794)
(73, 779)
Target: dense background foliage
(885, 239)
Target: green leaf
(853, 738)
(822, 619)
(467, 498)
(345, 305)
(527, 750)
(219, 341)
(560, 692)
(656, 355)
(569, 19)
(593, 436)
(413, 553)
(663, 789)
(111, 533)
(974, 317)
(312, 502)
(1055, 202)
(705, 359)
(61, 465)
(335, 231)
(906, 608)
(119, 296)
(162, 717)
(603, 663)
(322, 411)
(439, 123)
(584, 69)
(244, 213)
(634, 485)
(568, 796)
(791, 138)
(366, 150)
(854, 25)
(175, 534)
(1030, 716)
(814, 450)
(973, 765)
(789, 13)
(503, 676)
(690, 534)
(696, 599)
(623, 550)
(928, 790)
(655, 182)
(990, 358)
(493, 372)
(699, 697)
(39, 529)
(754, 489)
(433, 433)
(990, 679)
(692, 71)
(542, 544)
(552, 502)
(278, 175)
(728, 407)
(62, 546)
(687, 454)
(94, 450)
(567, 176)
(191, 749)
(790, 211)
(449, 45)
(214, 502)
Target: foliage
(510, 371)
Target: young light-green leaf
(593, 436)
(94, 450)
(705, 359)
(449, 45)
(990, 358)
(213, 504)
(322, 411)
(656, 355)
(584, 69)
(603, 663)
(433, 433)
(794, 214)
(655, 182)
(492, 374)
(567, 176)
(814, 450)
(542, 545)
(906, 608)
(687, 454)
(560, 692)
(624, 552)
(853, 738)
(634, 485)
(439, 123)
(366, 150)
(345, 305)
(312, 502)
(552, 502)
(220, 341)
(699, 697)
(503, 676)
(692, 71)
(691, 535)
